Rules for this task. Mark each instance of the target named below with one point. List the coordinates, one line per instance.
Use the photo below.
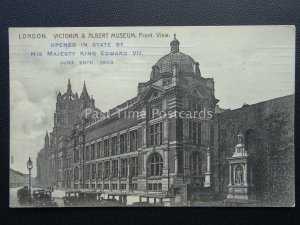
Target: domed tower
(175, 63)
(177, 87)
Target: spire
(84, 93)
(46, 139)
(69, 85)
(174, 44)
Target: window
(114, 186)
(124, 168)
(133, 186)
(196, 164)
(106, 147)
(133, 140)
(155, 165)
(115, 169)
(99, 149)
(199, 133)
(195, 132)
(114, 145)
(106, 186)
(87, 172)
(107, 169)
(155, 187)
(92, 151)
(123, 186)
(87, 153)
(134, 163)
(76, 173)
(156, 134)
(123, 143)
(100, 170)
(93, 171)
(76, 155)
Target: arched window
(155, 165)
(76, 173)
(196, 164)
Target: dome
(185, 63)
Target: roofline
(263, 102)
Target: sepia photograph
(157, 116)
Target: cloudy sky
(249, 64)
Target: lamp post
(29, 167)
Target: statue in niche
(239, 175)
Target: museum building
(181, 150)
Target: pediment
(152, 92)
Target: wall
(269, 130)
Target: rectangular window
(156, 136)
(99, 149)
(114, 186)
(93, 171)
(195, 132)
(106, 147)
(115, 168)
(114, 145)
(107, 169)
(199, 133)
(124, 168)
(87, 172)
(106, 186)
(100, 170)
(87, 153)
(134, 163)
(92, 151)
(123, 186)
(76, 155)
(133, 140)
(123, 143)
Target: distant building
(17, 179)
(173, 154)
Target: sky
(249, 64)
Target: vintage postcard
(152, 116)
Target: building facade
(17, 179)
(170, 136)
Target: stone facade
(268, 128)
(131, 149)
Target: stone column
(207, 182)
(230, 175)
(245, 175)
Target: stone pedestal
(207, 182)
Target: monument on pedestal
(240, 185)
(207, 182)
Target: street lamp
(29, 167)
